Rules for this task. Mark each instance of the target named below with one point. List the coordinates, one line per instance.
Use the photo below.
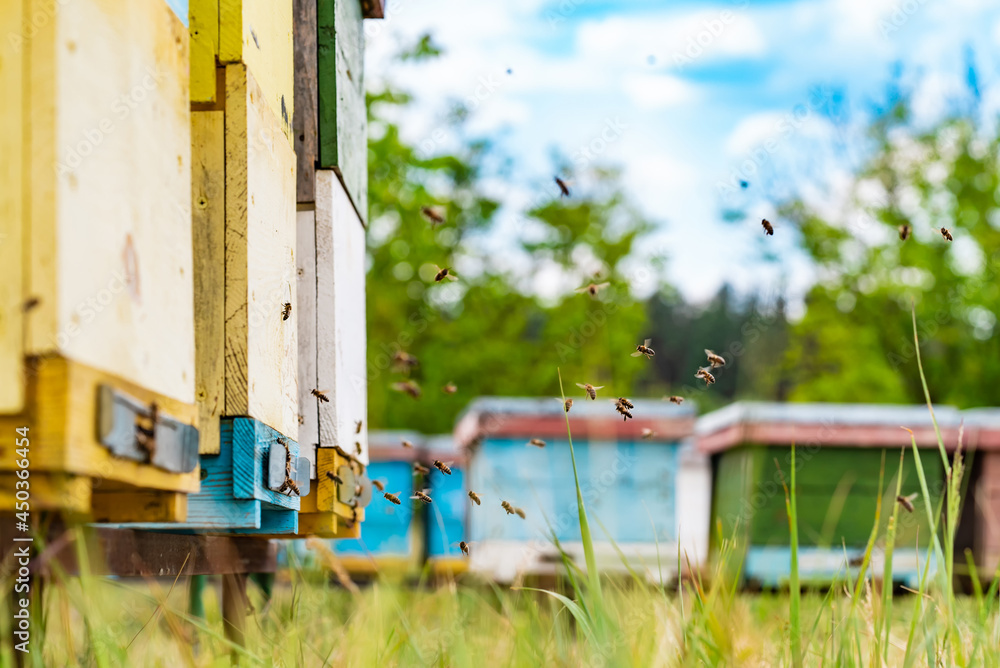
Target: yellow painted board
(258, 33)
(138, 506)
(329, 459)
(208, 220)
(49, 491)
(11, 208)
(61, 414)
(108, 191)
(261, 354)
(203, 19)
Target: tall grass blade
(794, 589)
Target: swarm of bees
(904, 232)
(286, 310)
(907, 501)
(433, 215)
(443, 274)
(321, 395)
(421, 495)
(563, 188)
(624, 407)
(442, 467)
(475, 498)
(705, 375)
(644, 349)
(450, 388)
(591, 390)
(714, 360)
(537, 442)
(768, 228)
(406, 387)
(593, 288)
(946, 234)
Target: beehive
(97, 264)
(447, 517)
(982, 440)
(649, 494)
(839, 450)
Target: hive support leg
(266, 583)
(196, 605)
(234, 613)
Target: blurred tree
(855, 342)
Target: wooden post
(234, 612)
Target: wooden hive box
(391, 540)
(982, 441)
(96, 263)
(447, 516)
(839, 450)
(619, 470)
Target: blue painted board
(252, 441)
(445, 518)
(388, 529)
(770, 566)
(628, 487)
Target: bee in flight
(591, 390)
(506, 506)
(357, 426)
(450, 388)
(674, 399)
(321, 395)
(420, 468)
(593, 288)
(357, 447)
(443, 274)
(644, 349)
(407, 444)
(624, 406)
(567, 404)
(340, 481)
(907, 501)
(393, 497)
(537, 442)
(648, 434)
(768, 228)
(714, 360)
(563, 188)
(407, 387)
(286, 310)
(464, 547)
(520, 513)
(442, 467)
(422, 495)
(403, 361)
(433, 215)
(475, 498)
(378, 484)
(704, 374)
(904, 232)
(946, 234)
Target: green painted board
(343, 121)
(838, 489)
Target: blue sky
(683, 96)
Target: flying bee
(904, 232)
(907, 501)
(567, 404)
(464, 547)
(407, 387)
(340, 481)
(674, 399)
(420, 468)
(357, 447)
(475, 498)
(433, 215)
(403, 361)
(704, 374)
(946, 234)
(407, 444)
(442, 467)
(622, 401)
(714, 360)
(591, 390)
(443, 274)
(393, 497)
(563, 188)
(321, 395)
(648, 434)
(450, 388)
(506, 506)
(768, 228)
(644, 349)
(592, 289)
(357, 426)
(286, 310)
(378, 484)
(520, 513)
(537, 442)
(622, 405)
(422, 495)
(30, 303)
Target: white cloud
(651, 91)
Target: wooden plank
(343, 119)
(261, 352)
(208, 221)
(144, 553)
(141, 506)
(340, 316)
(305, 119)
(49, 491)
(305, 313)
(12, 210)
(62, 417)
(110, 191)
(259, 35)
(251, 444)
(204, 17)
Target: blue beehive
(445, 518)
(646, 489)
